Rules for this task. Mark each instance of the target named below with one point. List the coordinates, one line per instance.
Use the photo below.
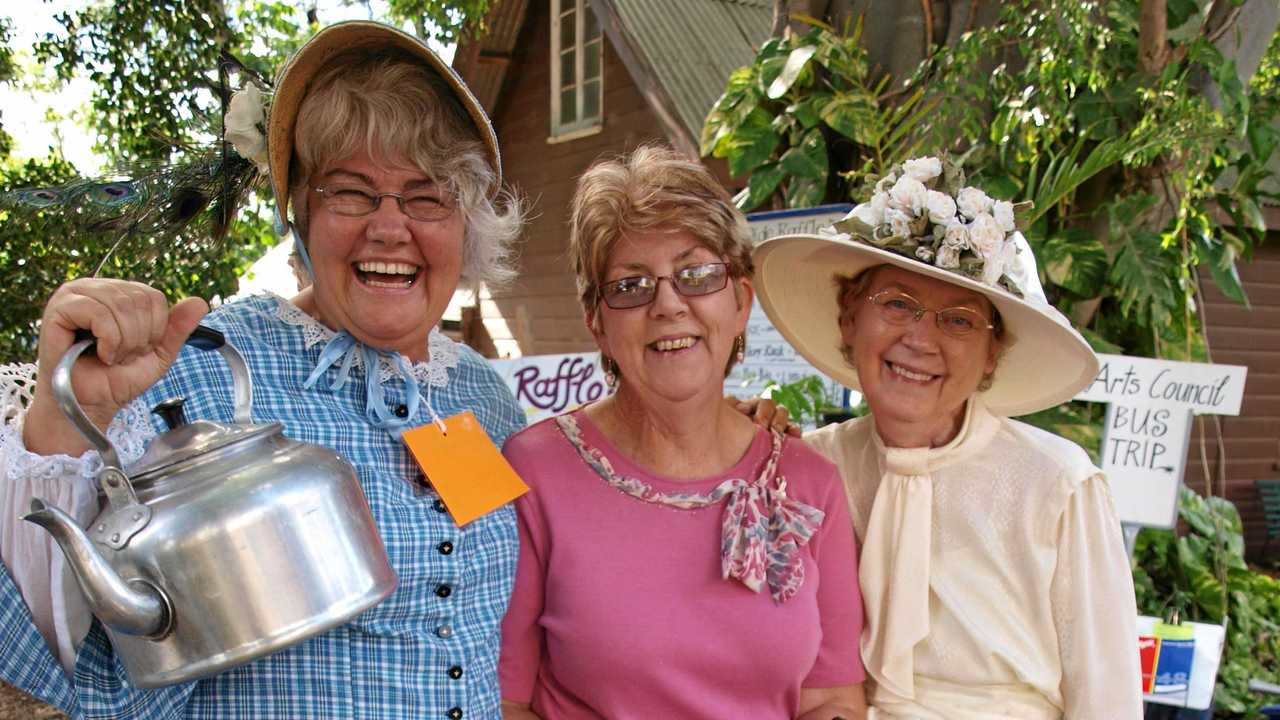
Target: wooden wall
(541, 310)
(1249, 337)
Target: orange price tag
(464, 466)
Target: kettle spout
(133, 607)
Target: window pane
(591, 99)
(568, 106)
(591, 61)
(592, 29)
(566, 68)
(568, 24)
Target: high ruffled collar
(897, 546)
(442, 353)
(346, 355)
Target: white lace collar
(442, 353)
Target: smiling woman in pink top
(676, 561)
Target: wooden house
(567, 81)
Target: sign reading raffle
(1150, 406)
(547, 385)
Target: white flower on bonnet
(971, 201)
(921, 209)
(923, 169)
(244, 124)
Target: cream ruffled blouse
(993, 573)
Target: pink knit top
(620, 609)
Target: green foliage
(1047, 105)
(807, 122)
(806, 400)
(446, 20)
(1124, 167)
(1203, 576)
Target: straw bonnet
(293, 78)
(952, 233)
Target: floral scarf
(762, 529)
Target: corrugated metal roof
(693, 46)
(483, 62)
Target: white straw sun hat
(954, 234)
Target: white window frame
(580, 126)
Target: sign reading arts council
(1150, 405)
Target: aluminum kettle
(223, 544)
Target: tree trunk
(781, 16)
(1153, 37)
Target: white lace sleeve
(33, 559)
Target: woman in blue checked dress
(362, 113)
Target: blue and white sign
(769, 357)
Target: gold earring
(610, 371)
(741, 344)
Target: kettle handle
(203, 338)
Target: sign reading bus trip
(1150, 405)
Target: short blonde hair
(393, 107)
(653, 188)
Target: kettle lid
(186, 440)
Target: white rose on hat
(948, 257)
(244, 123)
(971, 201)
(1002, 211)
(985, 236)
(910, 194)
(899, 222)
(868, 213)
(956, 236)
(922, 169)
(942, 209)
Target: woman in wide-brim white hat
(993, 569)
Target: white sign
(547, 385)
(765, 225)
(1200, 387)
(1150, 406)
(769, 357)
(1144, 451)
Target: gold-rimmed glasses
(899, 308)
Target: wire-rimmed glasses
(357, 200)
(899, 308)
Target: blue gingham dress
(415, 655)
